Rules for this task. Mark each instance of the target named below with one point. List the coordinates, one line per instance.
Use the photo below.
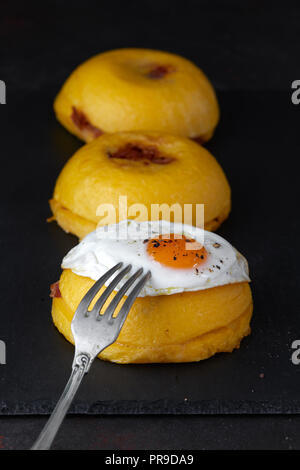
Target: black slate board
(257, 145)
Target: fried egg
(180, 257)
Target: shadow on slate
(254, 153)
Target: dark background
(250, 51)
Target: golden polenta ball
(138, 89)
(149, 171)
(185, 327)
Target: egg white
(124, 242)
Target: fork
(93, 331)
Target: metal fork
(93, 331)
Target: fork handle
(46, 437)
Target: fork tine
(121, 317)
(102, 299)
(118, 297)
(87, 299)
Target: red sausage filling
(82, 123)
(54, 290)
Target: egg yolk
(176, 251)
